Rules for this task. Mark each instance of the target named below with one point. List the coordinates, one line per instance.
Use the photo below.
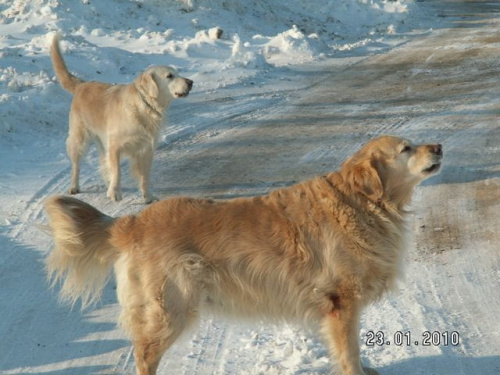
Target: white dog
(121, 119)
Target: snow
(268, 61)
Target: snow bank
(215, 42)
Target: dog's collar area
(143, 98)
(379, 203)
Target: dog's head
(163, 84)
(388, 168)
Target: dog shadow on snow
(444, 365)
(39, 332)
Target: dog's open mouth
(433, 168)
(181, 94)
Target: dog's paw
(73, 191)
(114, 194)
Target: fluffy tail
(83, 256)
(68, 81)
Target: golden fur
(123, 120)
(318, 251)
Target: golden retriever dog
(319, 251)
(123, 120)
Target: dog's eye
(406, 149)
(169, 75)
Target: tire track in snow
(212, 340)
(34, 206)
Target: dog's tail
(83, 255)
(68, 81)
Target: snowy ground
(290, 90)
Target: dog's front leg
(103, 162)
(114, 189)
(75, 173)
(141, 169)
(341, 327)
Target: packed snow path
(443, 86)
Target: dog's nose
(437, 149)
(189, 83)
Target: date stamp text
(399, 338)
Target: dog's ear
(148, 84)
(364, 178)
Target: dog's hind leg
(157, 309)
(76, 145)
(157, 323)
(148, 351)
